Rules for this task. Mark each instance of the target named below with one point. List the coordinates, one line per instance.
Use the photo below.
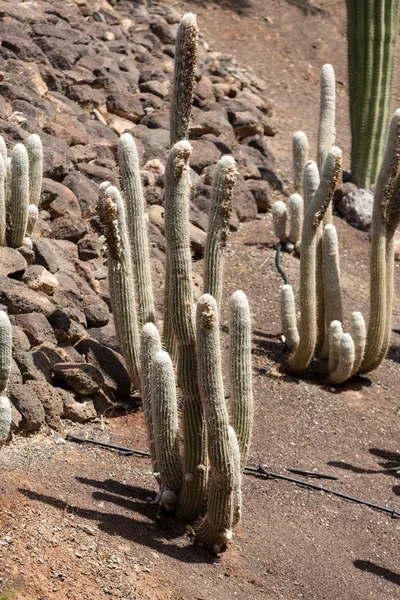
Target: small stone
(356, 208)
(39, 279)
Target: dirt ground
(77, 521)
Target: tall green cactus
(19, 196)
(122, 287)
(215, 527)
(35, 155)
(371, 40)
(137, 231)
(218, 225)
(177, 195)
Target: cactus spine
(300, 158)
(218, 227)
(215, 527)
(19, 196)
(165, 420)
(184, 78)
(371, 37)
(35, 155)
(122, 288)
(240, 372)
(177, 192)
(150, 344)
(134, 205)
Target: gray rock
(65, 326)
(204, 154)
(29, 406)
(20, 340)
(81, 377)
(356, 208)
(33, 366)
(59, 200)
(96, 312)
(89, 247)
(85, 190)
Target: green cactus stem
(5, 418)
(2, 201)
(308, 305)
(218, 228)
(35, 155)
(359, 334)
(240, 372)
(184, 78)
(296, 218)
(335, 337)
(177, 194)
(371, 37)
(288, 317)
(346, 360)
(19, 196)
(165, 420)
(136, 223)
(150, 344)
(5, 350)
(311, 183)
(122, 289)
(332, 287)
(215, 528)
(279, 218)
(381, 276)
(237, 478)
(300, 158)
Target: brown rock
(50, 399)
(262, 193)
(79, 412)
(36, 327)
(83, 378)
(39, 279)
(204, 153)
(85, 190)
(29, 406)
(19, 299)
(11, 261)
(96, 312)
(69, 228)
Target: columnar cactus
(19, 196)
(279, 217)
(300, 158)
(184, 78)
(315, 212)
(385, 218)
(177, 194)
(215, 527)
(35, 155)
(3, 171)
(137, 231)
(371, 41)
(122, 288)
(240, 372)
(5, 368)
(218, 225)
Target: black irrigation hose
(395, 514)
(278, 263)
(122, 450)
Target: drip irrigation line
(123, 451)
(278, 263)
(312, 474)
(395, 514)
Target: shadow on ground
(370, 567)
(156, 533)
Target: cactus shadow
(161, 535)
(382, 572)
(393, 353)
(240, 7)
(307, 9)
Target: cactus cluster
(20, 190)
(321, 327)
(199, 478)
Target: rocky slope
(80, 74)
